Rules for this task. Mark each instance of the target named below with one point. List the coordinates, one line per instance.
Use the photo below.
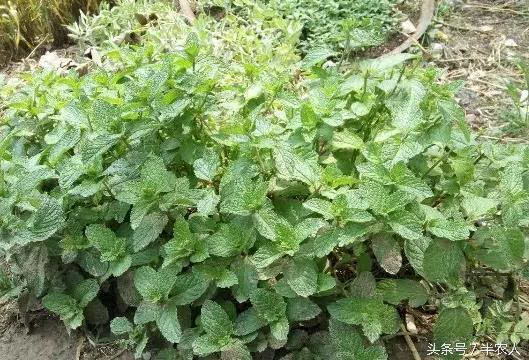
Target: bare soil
(481, 42)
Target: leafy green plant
(517, 116)
(232, 209)
(363, 23)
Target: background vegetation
(25, 23)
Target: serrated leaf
(103, 239)
(453, 230)
(453, 326)
(394, 291)
(301, 309)
(169, 325)
(374, 316)
(120, 326)
(315, 56)
(232, 239)
(443, 261)
(302, 276)
(205, 345)
(150, 227)
(348, 344)
(269, 305)
(346, 140)
(205, 168)
(248, 322)
(215, 320)
(476, 206)
(247, 279)
(85, 292)
(279, 329)
(188, 287)
(414, 250)
(155, 285)
(387, 251)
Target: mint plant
(231, 213)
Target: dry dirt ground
(478, 41)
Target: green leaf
(155, 177)
(374, 316)
(346, 140)
(248, 322)
(302, 276)
(348, 344)
(155, 285)
(291, 166)
(453, 326)
(414, 250)
(188, 288)
(301, 309)
(120, 326)
(206, 344)
(443, 261)
(406, 224)
(316, 56)
(280, 328)
(454, 230)
(387, 251)
(394, 291)
(215, 320)
(232, 239)
(476, 206)
(103, 239)
(235, 351)
(206, 167)
(86, 291)
(169, 325)
(150, 227)
(47, 220)
(146, 312)
(64, 306)
(269, 305)
(503, 249)
(309, 119)
(247, 279)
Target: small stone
(486, 28)
(523, 96)
(437, 50)
(510, 43)
(408, 27)
(410, 324)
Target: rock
(510, 43)
(53, 62)
(486, 28)
(437, 50)
(523, 97)
(410, 324)
(408, 27)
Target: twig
(409, 341)
(458, 27)
(186, 10)
(427, 12)
(36, 47)
(79, 349)
(489, 83)
(116, 355)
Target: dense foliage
(340, 23)
(226, 204)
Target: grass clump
(26, 23)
